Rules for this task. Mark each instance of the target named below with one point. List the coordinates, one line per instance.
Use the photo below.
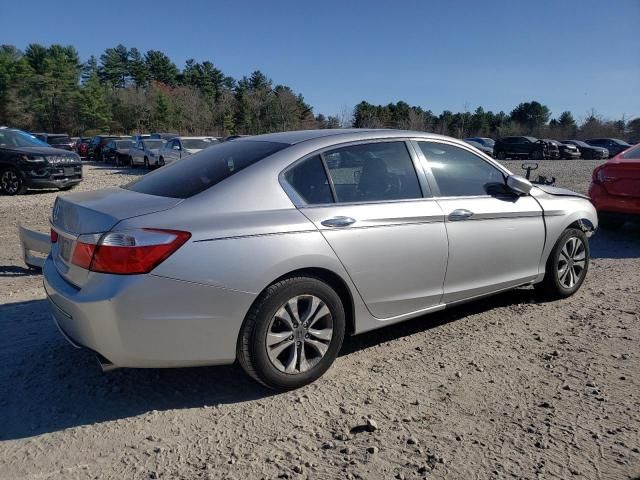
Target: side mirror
(519, 185)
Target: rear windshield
(204, 169)
(153, 143)
(58, 140)
(198, 143)
(633, 153)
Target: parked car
(521, 147)
(484, 149)
(180, 147)
(117, 151)
(140, 136)
(270, 249)
(163, 136)
(56, 140)
(613, 145)
(563, 150)
(97, 143)
(487, 142)
(615, 189)
(588, 152)
(26, 162)
(146, 152)
(82, 146)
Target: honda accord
(270, 249)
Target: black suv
(97, 143)
(614, 145)
(26, 162)
(56, 140)
(523, 147)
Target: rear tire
(146, 163)
(501, 156)
(567, 265)
(292, 333)
(11, 182)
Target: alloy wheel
(10, 182)
(299, 334)
(571, 262)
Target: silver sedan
(270, 249)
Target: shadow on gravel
(47, 385)
(7, 271)
(622, 243)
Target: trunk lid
(94, 213)
(621, 177)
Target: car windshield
(473, 143)
(578, 142)
(58, 140)
(633, 153)
(198, 143)
(123, 143)
(487, 142)
(620, 142)
(202, 170)
(17, 138)
(153, 143)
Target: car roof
(299, 136)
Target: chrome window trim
(299, 203)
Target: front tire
(292, 334)
(501, 155)
(567, 265)
(146, 163)
(11, 182)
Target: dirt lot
(505, 387)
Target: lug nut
(291, 337)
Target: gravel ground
(504, 387)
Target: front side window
(459, 172)
(381, 171)
(309, 179)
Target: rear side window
(459, 172)
(309, 180)
(204, 169)
(370, 172)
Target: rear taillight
(129, 252)
(598, 175)
(54, 236)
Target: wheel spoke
(275, 352)
(322, 312)
(304, 364)
(283, 315)
(293, 309)
(319, 346)
(324, 334)
(292, 363)
(275, 338)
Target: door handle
(338, 222)
(460, 214)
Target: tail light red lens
(54, 236)
(127, 253)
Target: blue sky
(441, 54)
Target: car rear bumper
(605, 202)
(148, 321)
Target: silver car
(270, 249)
(180, 147)
(146, 152)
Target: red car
(615, 189)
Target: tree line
(125, 91)
(528, 118)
